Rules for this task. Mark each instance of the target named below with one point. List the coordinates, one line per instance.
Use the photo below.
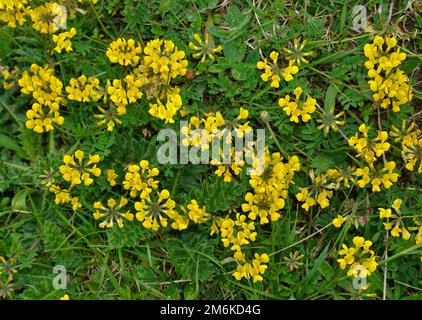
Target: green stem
(402, 253)
(14, 165)
(51, 147)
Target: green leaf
(19, 200)
(314, 271)
(330, 97)
(10, 144)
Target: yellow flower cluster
(195, 212)
(111, 177)
(62, 41)
(254, 269)
(7, 268)
(263, 207)
(274, 72)
(296, 54)
(156, 208)
(140, 179)
(40, 118)
(124, 92)
(237, 233)
(48, 18)
(385, 176)
(167, 110)
(412, 155)
(84, 89)
(297, 108)
(109, 117)
(342, 176)
(370, 149)
(214, 126)
(14, 11)
(75, 170)
(204, 48)
(112, 213)
(63, 196)
(394, 221)
(153, 207)
(319, 192)
(406, 135)
(234, 168)
(411, 144)
(124, 52)
(390, 85)
(270, 187)
(42, 84)
(163, 59)
(46, 89)
(360, 259)
(193, 137)
(329, 121)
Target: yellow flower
(329, 121)
(384, 213)
(42, 84)
(271, 181)
(41, 118)
(65, 297)
(338, 222)
(407, 135)
(204, 48)
(195, 212)
(14, 12)
(155, 209)
(111, 177)
(84, 89)
(232, 168)
(296, 53)
(164, 59)
(10, 77)
(370, 149)
(395, 232)
(253, 269)
(263, 206)
(237, 233)
(297, 108)
(109, 117)
(360, 259)
(140, 179)
(124, 92)
(168, 110)
(395, 225)
(124, 52)
(112, 213)
(377, 176)
(318, 192)
(47, 18)
(389, 87)
(63, 42)
(273, 72)
(75, 170)
(396, 204)
(412, 154)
